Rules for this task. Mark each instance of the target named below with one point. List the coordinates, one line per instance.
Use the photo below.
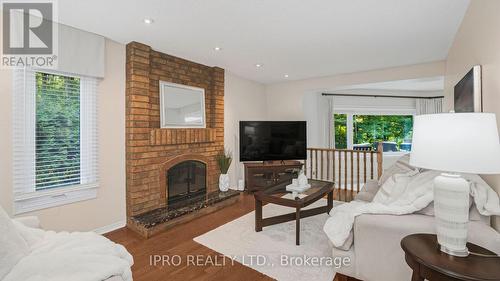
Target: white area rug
(239, 241)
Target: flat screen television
(272, 140)
(467, 92)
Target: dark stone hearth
(162, 215)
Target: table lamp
(455, 143)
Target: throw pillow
(368, 191)
(402, 165)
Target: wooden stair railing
(348, 168)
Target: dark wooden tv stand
(261, 175)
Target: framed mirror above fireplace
(181, 106)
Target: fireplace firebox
(186, 182)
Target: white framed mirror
(181, 106)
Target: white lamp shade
(456, 142)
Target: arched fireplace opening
(186, 182)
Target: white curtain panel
(329, 123)
(429, 106)
(318, 114)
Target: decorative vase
(302, 179)
(241, 185)
(224, 182)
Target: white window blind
(57, 130)
(55, 139)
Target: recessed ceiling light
(217, 48)
(258, 65)
(148, 21)
(286, 75)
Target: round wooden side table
(422, 254)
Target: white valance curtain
(326, 111)
(429, 106)
(80, 52)
(77, 52)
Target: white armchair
(27, 252)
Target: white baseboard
(110, 227)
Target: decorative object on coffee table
(298, 185)
(443, 142)
(422, 254)
(224, 160)
(274, 195)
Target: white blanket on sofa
(401, 194)
(77, 256)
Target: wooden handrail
(343, 166)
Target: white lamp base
(461, 253)
(451, 210)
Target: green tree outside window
(370, 129)
(340, 125)
(57, 135)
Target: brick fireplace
(152, 151)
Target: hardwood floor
(177, 244)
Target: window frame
(25, 196)
(350, 120)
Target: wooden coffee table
(274, 195)
(422, 254)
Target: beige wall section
(6, 140)
(285, 100)
(243, 100)
(478, 42)
(109, 206)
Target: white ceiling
(300, 38)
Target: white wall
(109, 206)
(244, 100)
(285, 100)
(478, 42)
(372, 104)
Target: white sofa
(26, 251)
(377, 255)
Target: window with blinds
(57, 131)
(55, 139)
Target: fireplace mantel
(182, 136)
